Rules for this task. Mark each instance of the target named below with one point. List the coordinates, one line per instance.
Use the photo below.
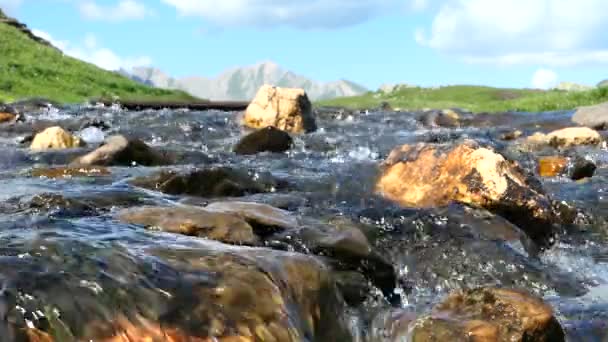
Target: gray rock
(592, 116)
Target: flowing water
(69, 268)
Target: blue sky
(516, 43)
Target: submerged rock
(269, 139)
(439, 251)
(592, 116)
(552, 166)
(212, 182)
(287, 109)
(121, 151)
(429, 175)
(55, 138)
(208, 293)
(68, 172)
(575, 168)
(489, 315)
(193, 221)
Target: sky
(514, 43)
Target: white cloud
(91, 52)
(9, 6)
(544, 79)
(552, 32)
(123, 10)
(295, 13)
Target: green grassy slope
(31, 69)
(475, 98)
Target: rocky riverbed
(373, 226)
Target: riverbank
(473, 98)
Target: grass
(30, 69)
(475, 99)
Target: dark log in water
(202, 105)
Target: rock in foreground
(490, 315)
(54, 138)
(287, 109)
(433, 175)
(121, 151)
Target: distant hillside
(241, 84)
(32, 67)
(474, 98)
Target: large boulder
(287, 109)
(592, 116)
(269, 139)
(434, 175)
(55, 138)
(121, 151)
(489, 315)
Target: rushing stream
(70, 268)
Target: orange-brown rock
(433, 175)
(68, 172)
(7, 117)
(489, 315)
(287, 109)
(55, 138)
(552, 166)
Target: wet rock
(582, 168)
(209, 293)
(7, 117)
(346, 249)
(69, 172)
(552, 166)
(212, 182)
(436, 252)
(440, 118)
(121, 151)
(489, 314)
(284, 108)
(55, 138)
(513, 135)
(427, 175)
(566, 137)
(58, 205)
(193, 221)
(269, 139)
(256, 213)
(592, 116)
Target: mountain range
(241, 84)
